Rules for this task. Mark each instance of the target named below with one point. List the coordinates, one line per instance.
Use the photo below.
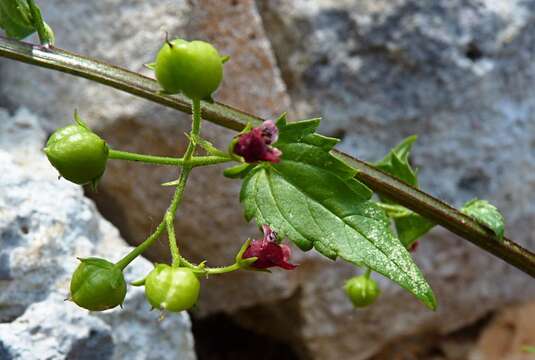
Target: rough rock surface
(508, 335)
(457, 73)
(210, 224)
(45, 224)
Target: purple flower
(254, 145)
(268, 252)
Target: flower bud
(78, 154)
(97, 285)
(172, 288)
(362, 290)
(255, 145)
(268, 252)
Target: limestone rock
(45, 224)
(508, 335)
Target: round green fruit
(362, 290)
(194, 68)
(97, 285)
(172, 288)
(78, 154)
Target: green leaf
(150, 66)
(17, 21)
(312, 197)
(486, 214)
(396, 163)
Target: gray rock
(45, 224)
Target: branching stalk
(163, 160)
(406, 195)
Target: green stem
(368, 273)
(175, 254)
(45, 35)
(231, 118)
(394, 211)
(182, 180)
(205, 270)
(177, 198)
(121, 264)
(162, 160)
(223, 269)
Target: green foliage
(17, 21)
(312, 197)
(487, 214)
(396, 163)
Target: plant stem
(223, 269)
(44, 35)
(162, 160)
(138, 250)
(393, 210)
(406, 195)
(182, 181)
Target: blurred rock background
(458, 73)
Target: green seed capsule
(78, 154)
(362, 291)
(194, 68)
(172, 289)
(97, 285)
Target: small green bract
(172, 288)
(362, 290)
(77, 153)
(194, 68)
(97, 285)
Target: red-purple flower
(255, 145)
(268, 252)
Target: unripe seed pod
(97, 285)
(194, 68)
(362, 290)
(78, 154)
(172, 288)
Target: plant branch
(45, 35)
(410, 197)
(163, 160)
